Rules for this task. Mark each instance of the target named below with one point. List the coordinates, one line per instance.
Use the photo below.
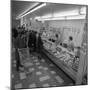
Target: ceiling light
(49, 19)
(77, 17)
(66, 13)
(38, 7)
(38, 17)
(63, 18)
(47, 16)
(28, 9)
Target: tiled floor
(37, 73)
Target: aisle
(38, 73)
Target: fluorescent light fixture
(66, 13)
(63, 18)
(47, 16)
(59, 15)
(43, 17)
(38, 17)
(28, 9)
(38, 7)
(76, 17)
(49, 19)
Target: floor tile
(31, 69)
(27, 64)
(38, 73)
(37, 63)
(41, 73)
(54, 85)
(28, 59)
(22, 75)
(46, 85)
(18, 85)
(44, 78)
(32, 85)
(71, 84)
(59, 79)
(53, 72)
(36, 60)
(43, 60)
(40, 67)
(51, 65)
(45, 68)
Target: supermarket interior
(49, 44)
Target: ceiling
(54, 8)
(18, 7)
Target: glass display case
(63, 57)
(63, 54)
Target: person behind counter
(71, 44)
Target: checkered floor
(37, 73)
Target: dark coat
(19, 42)
(40, 43)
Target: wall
(68, 28)
(32, 24)
(15, 23)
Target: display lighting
(47, 16)
(63, 18)
(66, 13)
(38, 7)
(73, 14)
(59, 15)
(37, 17)
(43, 17)
(76, 17)
(52, 18)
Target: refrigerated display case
(64, 58)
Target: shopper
(40, 43)
(14, 35)
(30, 41)
(34, 41)
(18, 45)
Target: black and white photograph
(49, 44)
